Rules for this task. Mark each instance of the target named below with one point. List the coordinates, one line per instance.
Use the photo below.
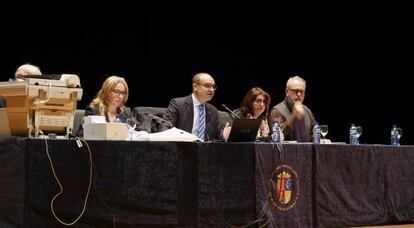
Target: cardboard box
(105, 131)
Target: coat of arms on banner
(284, 190)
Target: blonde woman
(110, 102)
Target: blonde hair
(101, 101)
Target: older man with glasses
(296, 120)
(194, 114)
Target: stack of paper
(173, 134)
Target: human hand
(264, 129)
(298, 110)
(226, 131)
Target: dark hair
(246, 105)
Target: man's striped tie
(201, 126)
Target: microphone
(226, 108)
(159, 118)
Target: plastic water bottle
(317, 134)
(394, 136)
(276, 132)
(353, 140)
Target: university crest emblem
(284, 190)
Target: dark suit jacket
(181, 115)
(89, 111)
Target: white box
(93, 119)
(105, 131)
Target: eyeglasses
(209, 86)
(119, 92)
(296, 91)
(258, 101)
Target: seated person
(255, 105)
(26, 70)
(194, 114)
(110, 102)
(296, 120)
(21, 72)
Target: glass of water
(400, 132)
(324, 130)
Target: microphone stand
(227, 109)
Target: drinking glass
(358, 133)
(400, 132)
(324, 130)
(131, 124)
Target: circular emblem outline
(284, 189)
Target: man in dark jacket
(194, 114)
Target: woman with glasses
(255, 105)
(110, 102)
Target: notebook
(244, 130)
(4, 123)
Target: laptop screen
(244, 130)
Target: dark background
(357, 62)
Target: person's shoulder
(181, 100)
(239, 113)
(279, 105)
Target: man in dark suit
(193, 114)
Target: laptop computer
(4, 123)
(244, 130)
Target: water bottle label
(317, 134)
(353, 136)
(394, 138)
(276, 132)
